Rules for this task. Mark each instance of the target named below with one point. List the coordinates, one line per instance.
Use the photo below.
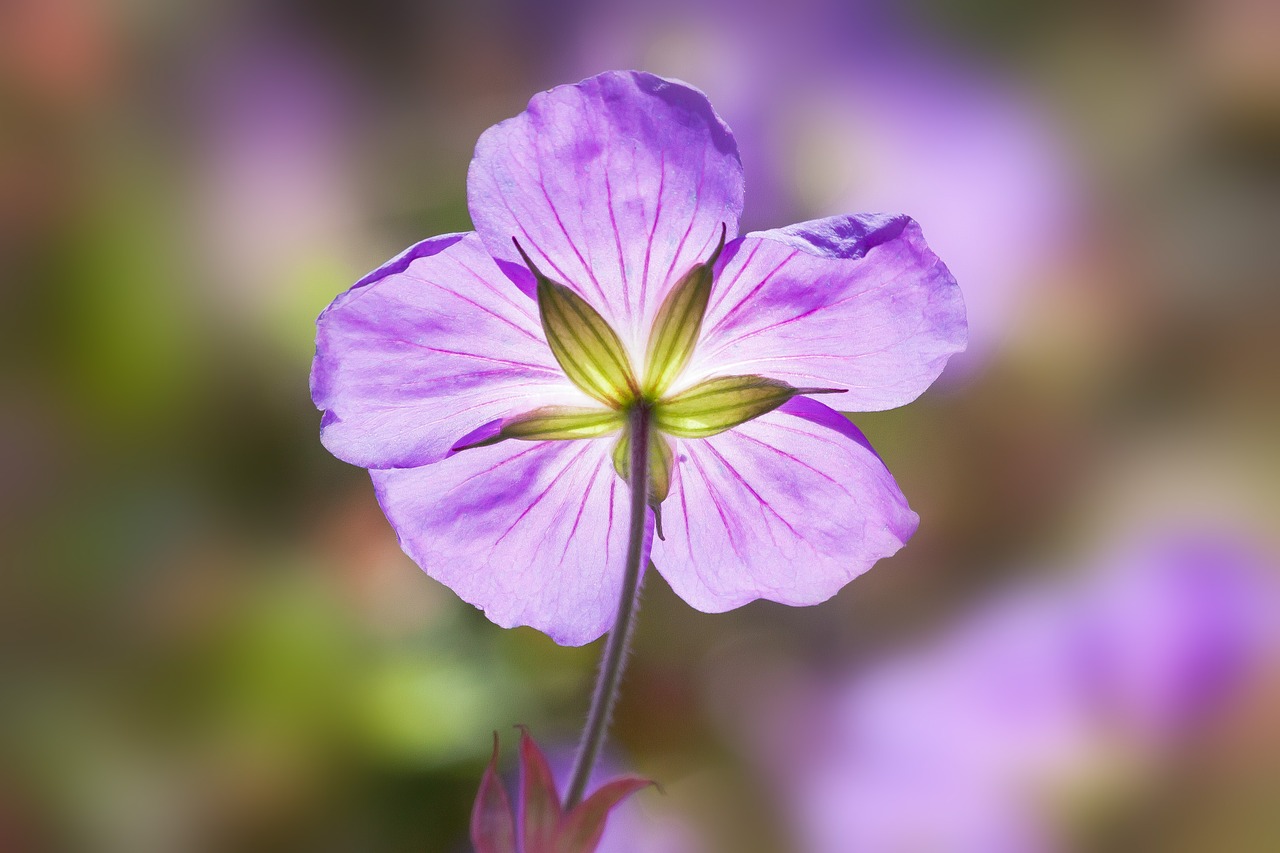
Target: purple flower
(1048, 701)
(605, 276)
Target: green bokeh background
(209, 639)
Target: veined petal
(788, 507)
(852, 302)
(428, 347)
(616, 186)
(533, 534)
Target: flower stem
(615, 650)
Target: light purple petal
(533, 533)
(852, 302)
(789, 507)
(425, 349)
(615, 186)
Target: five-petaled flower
(605, 277)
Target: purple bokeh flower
(607, 213)
(276, 201)
(1053, 699)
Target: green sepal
(556, 423)
(716, 405)
(587, 348)
(660, 464)
(678, 324)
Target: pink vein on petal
(401, 300)
(564, 278)
(817, 309)
(920, 325)
(748, 333)
(485, 402)
(711, 493)
(501, 294)
(794, 459)
(484, 308)
(693, 218)
(738, 306)
(534, 503)
(586, 494)
(684, 510)
(657, 215)
(764, 505)
(724, 288)
(560, 224)
(617, 237)
(495, 467)
(612, 489)
(476, 356)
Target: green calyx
(594, 358)
(555, 423)
(722, 403)
(678, 324)
(659, 463)
(587, 348)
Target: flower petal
(534, 534)
(493, 827)
(582, 828)
(428, 347)
(539, 802)
(790, 507)
(615, 186)
(852, 302)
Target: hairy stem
(615, 650)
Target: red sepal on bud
(540, 822)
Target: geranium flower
(606, 281)
(541, 824)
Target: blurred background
(209, 640)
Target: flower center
(594, 359)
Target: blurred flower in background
(1033, 723)
(208, 637)
(278, 204)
